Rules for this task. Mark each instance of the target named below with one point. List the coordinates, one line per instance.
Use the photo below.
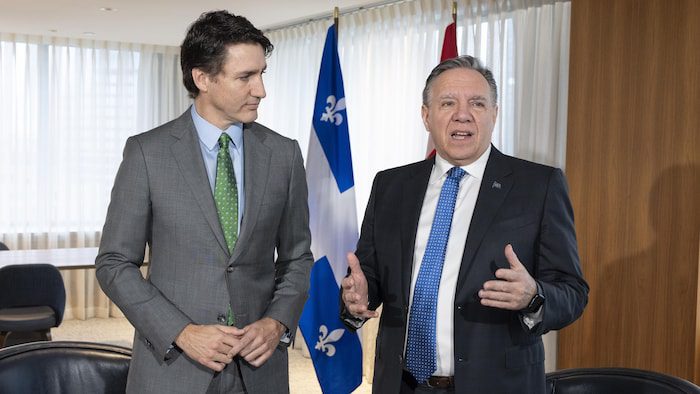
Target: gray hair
(467, 62)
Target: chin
(249, 118)
(245, 119)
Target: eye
(447, 104)
(245, 77)
(478, 105)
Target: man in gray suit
(222, 203)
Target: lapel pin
(496, 185)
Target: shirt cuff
(532, 319)
(286, 338)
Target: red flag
(449, 44)
(449, 50)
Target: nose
(463, 114)
(258, 89)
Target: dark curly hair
(205, 45)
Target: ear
(495, 113)
(424, 114)
(201, 80)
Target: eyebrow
(250, 72)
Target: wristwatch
(536, 302)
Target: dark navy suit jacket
(521, 203)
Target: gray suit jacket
(162, 197)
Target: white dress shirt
(464, 208)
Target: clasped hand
(215, 346)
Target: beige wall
(633, 166)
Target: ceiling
(162, 22)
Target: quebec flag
(335, 351)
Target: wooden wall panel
(633, 166)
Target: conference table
(67, 258)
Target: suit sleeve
(367, 255)
(558, 267)
(124, 237)
(294, 258)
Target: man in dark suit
(472, 254)
(222, 203)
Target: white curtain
(67, 107)
(387, 52)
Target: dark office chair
(616, 381)
(64, 367)
(3, 247)
(32, 300)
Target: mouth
(461, 135)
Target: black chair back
(64, 367)
(616, 381)
(26, 285)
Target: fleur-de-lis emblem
(325, 339)
(332, 109)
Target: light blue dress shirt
(209, 145)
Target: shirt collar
(475, 169)
(209, 134)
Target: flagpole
(454, 13)
(336, 14)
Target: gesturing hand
(515, 288)
(209, 345)
(355, 294)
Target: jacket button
(459, 307)
(221, 319)
(460, 359)
(229, 269)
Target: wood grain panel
(634, 173)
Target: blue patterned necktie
(420, 349)
(226, 199)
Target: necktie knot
(456, 173)
(224, 139)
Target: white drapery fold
(67, 107)
(387, 52)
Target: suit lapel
(188, 155)
(494, 188)
(256, 166)
(411, 204)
